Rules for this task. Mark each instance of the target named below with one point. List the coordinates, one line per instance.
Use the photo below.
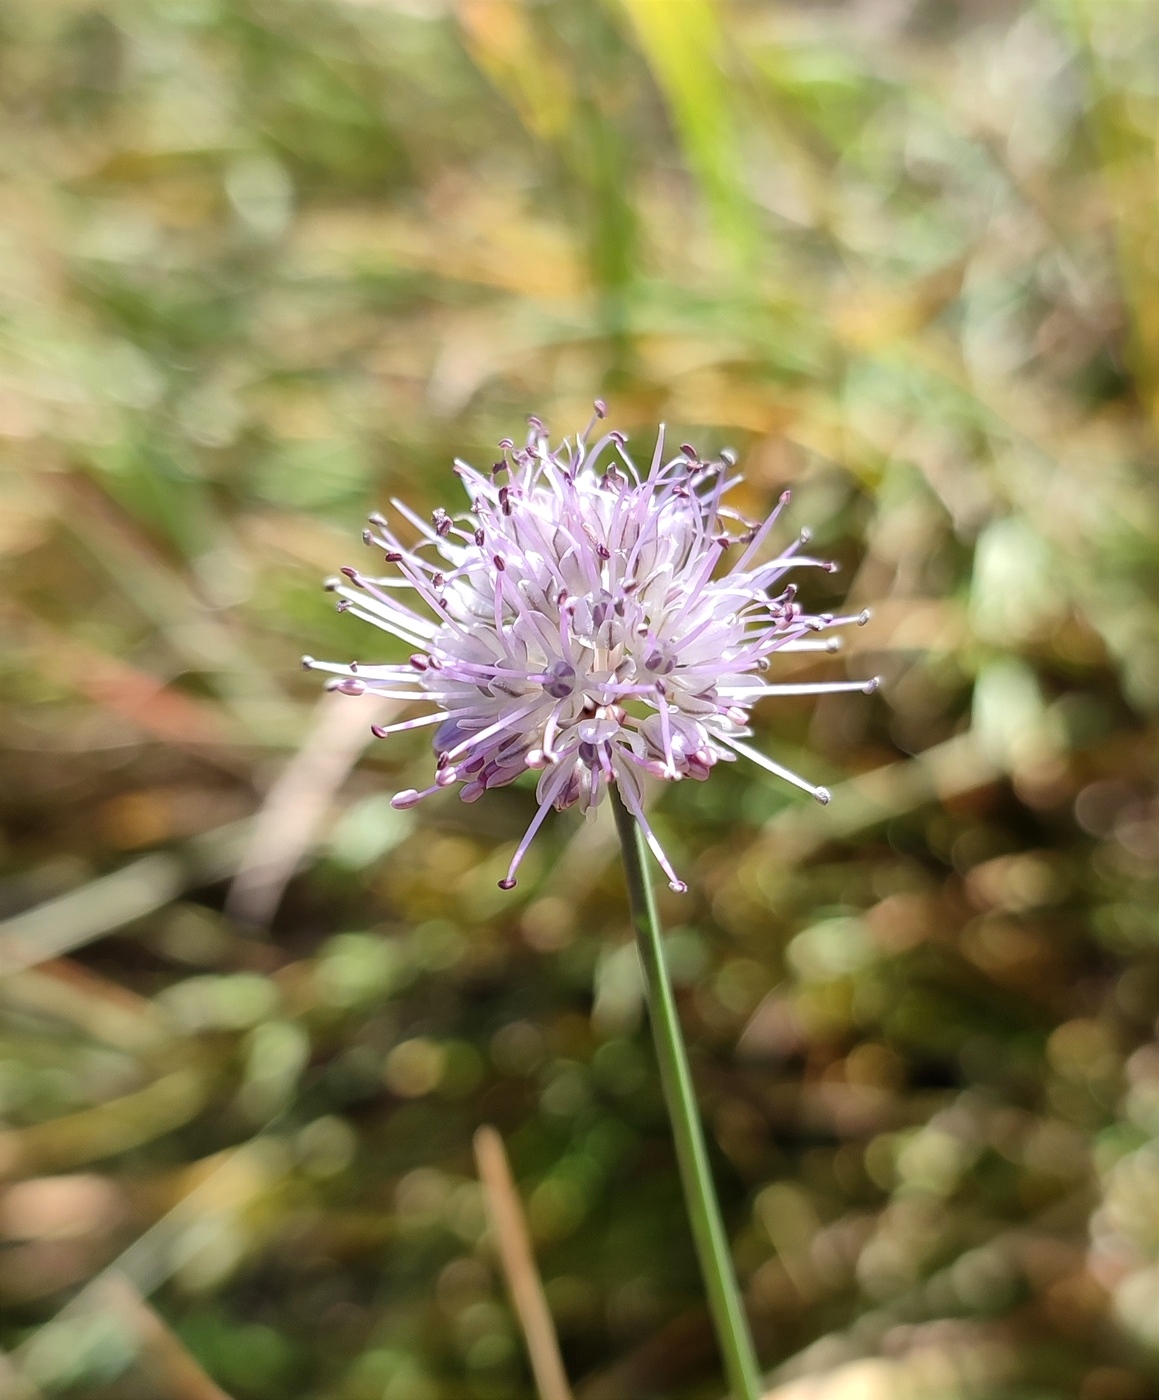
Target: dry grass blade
(129, 1121)
(178, 1375)
(111, 902)
(13, 1386)
(204, 637)
(514, 1245)
(296, 805)
(236, 1178)
(66, 992)
(155, 707)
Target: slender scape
(740, 1362)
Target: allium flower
(575, 624)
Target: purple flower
(577, 621)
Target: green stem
(724, 1302)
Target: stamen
(401, 801)
(822, 794)
(551, 790)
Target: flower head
(580, 620)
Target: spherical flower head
(588, 621)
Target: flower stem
(724, 1302)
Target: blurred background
(264, 265)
